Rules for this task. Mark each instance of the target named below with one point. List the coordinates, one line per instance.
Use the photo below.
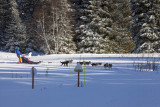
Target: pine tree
(121, 36)
(4, 16)
(103, 26)
(1, 23)
(145, 25)
(26, 8)
(94, 26)
(15, 30)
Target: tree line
(80, 26)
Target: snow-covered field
(127, 84)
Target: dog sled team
(86, 63)
(23, 59)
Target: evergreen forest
(80, 26)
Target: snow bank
(56, 85)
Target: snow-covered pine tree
(26, 9)
(103, 26)
(94, 26)
(15, 33)
(146, 25)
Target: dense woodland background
(80, 26)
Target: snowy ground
(125, 85)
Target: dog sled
(27, 61)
